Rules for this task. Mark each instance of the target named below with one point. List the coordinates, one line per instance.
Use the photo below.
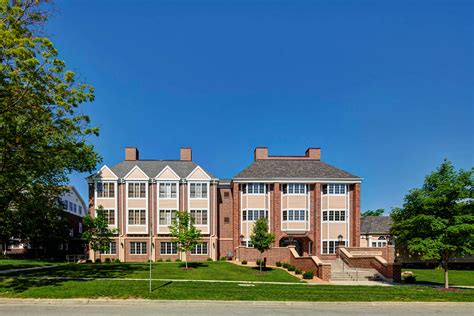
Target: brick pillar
(275, 210)
(317, 217)
(235, 216)
(91, 199)
(355, 216)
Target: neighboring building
(375, 231)
(75, 209)
(308, 203)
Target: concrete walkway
(27, 269)
(101, 307)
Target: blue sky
(385, 88)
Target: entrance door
(284, 242)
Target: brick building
(312, 207)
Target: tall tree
(184, 233)
(97, 233)
(43, 131)
(437, 220)
(261, 238)
(377, 212)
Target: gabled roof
(375, 224)
(293, 169)
(153, 167)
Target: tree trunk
(260, 262)
(186, 262)
(446, 278)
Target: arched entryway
(284, 242)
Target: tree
(437, 220)
(261, 238)
(184, 233)
(43, 131)
(377, 212)
(97, 233)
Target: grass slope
(8, 264)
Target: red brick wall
(355, 215)
(273, 255)
(236, 214)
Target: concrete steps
(340, 272)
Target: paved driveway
(142, 307)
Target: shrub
(298, 271)
(258, 262)
(160, 260)
(223, 259)
(178, 260)
(285, 265)
(168, 260)
(209, 259)
(107, 260)
(308, 275)
(291, 268)
(278, 264)
(410, 279)
(88, 261)
(117, 260)
(97, 260)
(244, 261)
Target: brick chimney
(313, 153)
(186, 154)
(131, 153)
(260, 153)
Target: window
(70, 206)
(137, 190)
(226, 220)
(71, 232)
(168, 248)
(335, 189)
(136, 217)
(80, 228)
(254, 188)
(138, 248)
(253, 215)
(382, 242)
(167, 217)
(74, 206)
(80, 210)
(329, 246)
(105, 189)
(63, 246)
(199, 217)
(294, 188)
(295, 215)
(334, 216)
(168, 190)
(110, 216)
(226, 195)
(65, 204)
(198, 190)
(246, 243)
(200, 249)
(112, 249)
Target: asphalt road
(139, 307)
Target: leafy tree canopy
(437, 220)
(97, 233)
(261, 238)
(43, 131)
(377, 212)
(184, 233)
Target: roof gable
(136, 174)
(167, 174)
(198, 174)
(105, 173)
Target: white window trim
(346, 218)
(294, 194)
(105, 181)
(254, 220)
(109, 209)
(166, 209)
(134, 182)
(202, 253)
(138, 254)
(335, 246)
(146, 208)
(265, 188)
(306, 214)
(138, 209)
(335, 194)
(207, 183)
(169, 254)
(200, 209)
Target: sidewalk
(27, 269)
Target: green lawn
(8, 264)
(32, 285)
(164, 270)
(41, 288)
(436, 276)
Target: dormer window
(335, 189)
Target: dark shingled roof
(375, 224)
(153, 167)
(299, 169)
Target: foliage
(43, 131)
(261, 238)
(291, 268)
(308, 275)
(244, 262)
(437, 220)
(184, 233)
(410, 279)
(278, 264)
(97, 232)
(298, 271)
(223, 259)
(377, 212)
(116, 260)
(209, 259)
(107, 260)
